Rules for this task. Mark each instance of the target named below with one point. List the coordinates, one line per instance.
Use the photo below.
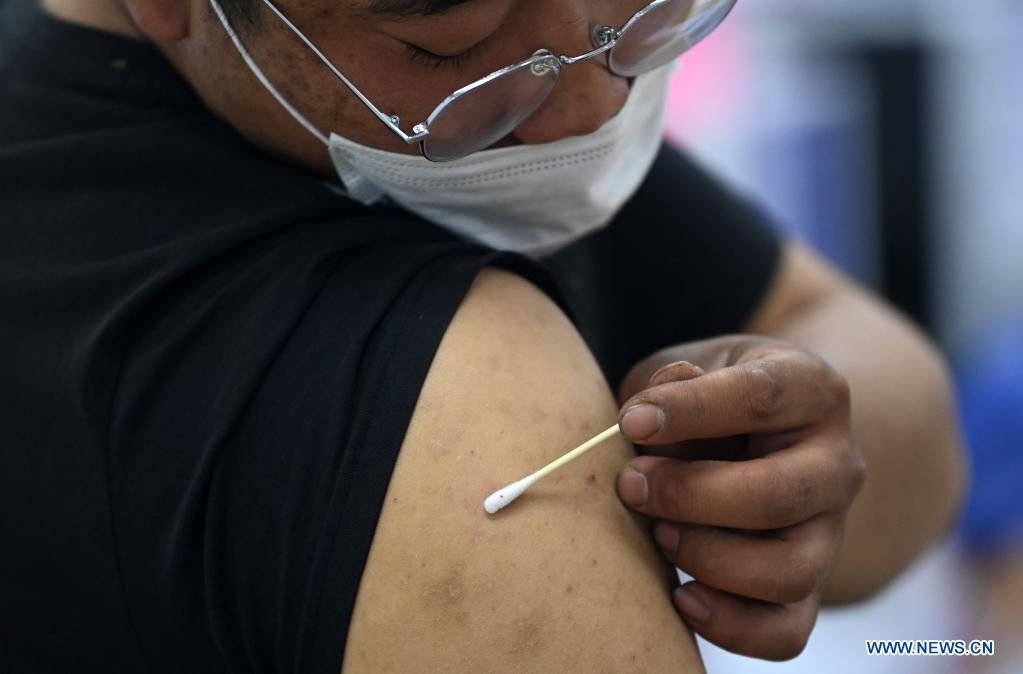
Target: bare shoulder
(564, 580)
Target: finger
(711, 354)
(731, 448)
(746, 626)
(680, 370)
(772, 492)
(724, 449)
(788, 389)
(781, 569)
(650, 372)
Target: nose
(585, 97)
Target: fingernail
(691, 605)
(666, 536)
(686, 370)
(632, 487)
(641, 421)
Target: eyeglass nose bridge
(603, 37)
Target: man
(252, 411)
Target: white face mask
(533, 199)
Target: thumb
(652, 372)
(680, 370)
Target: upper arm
(803, 279)
(564, 580)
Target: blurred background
(889, 134)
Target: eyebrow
(412, 7)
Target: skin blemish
(527, 635)
(447, 592)
(592, 479)
(538, 415)
(568, 589)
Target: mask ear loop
(263, 79)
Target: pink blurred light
(707, 90)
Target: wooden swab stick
(502, 497)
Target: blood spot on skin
(592, 479)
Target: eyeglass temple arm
(391, 121)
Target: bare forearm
(905, 422)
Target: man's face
(387, 55)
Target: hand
(750, 467)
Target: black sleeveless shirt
(208, 359)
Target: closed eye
(453, 61)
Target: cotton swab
(503, 497)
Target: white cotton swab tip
(503, 497)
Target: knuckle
(763, 391)
(792, 640)
(857, 470)
(848, 472)
(692, 556)
(695, 403)
(801, 577)
(780, 502)
(670, 496)
(836, 387)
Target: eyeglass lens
(652, 40)
(490, 112)
(484, 116)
